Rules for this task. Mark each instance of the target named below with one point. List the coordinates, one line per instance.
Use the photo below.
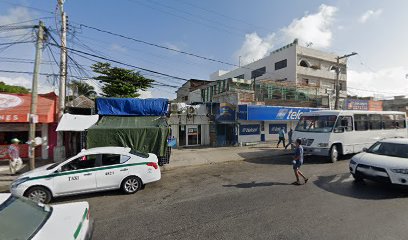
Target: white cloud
(313, 28)
(145, 94)
(43, 87)
(387, 82)
(255, 47)
(118, 48)
(370, 14)
(15, 15)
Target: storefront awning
(15, 108)
(76, 123)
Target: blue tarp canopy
(132, 106)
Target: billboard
(360, 104)
(356, 104)
(249, 129)
(270, 113)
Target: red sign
(375, 105)
(16, 108)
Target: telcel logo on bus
(289, 114)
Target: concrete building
(295, 65)
(399, 103)
(190, 92)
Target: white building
(296, 65)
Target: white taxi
(21, 218)
(95, 169)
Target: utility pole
(337, 87)
(34, 93)
(59, 152)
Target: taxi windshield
(322, 123)
(21, 218)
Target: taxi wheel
(131, 184)
(39, 194)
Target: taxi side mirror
(365, 149)
(58, 170)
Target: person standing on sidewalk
(281, 137)
(14, 153)
(298, 161)
(290, 142)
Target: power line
(75, 51)
(11, 43)
(170, 49)
(158, 46)
(31, 20)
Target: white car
(385, 161)
(21, 218)
(91, 170)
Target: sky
(221, 30)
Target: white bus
(334, 133)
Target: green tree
(82, 88)
(4, 88)
(120, 82)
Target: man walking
(290, 133)
(14, 153)
(281, 137)
(298, 161)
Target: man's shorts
(297, 164)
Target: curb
(168, 167)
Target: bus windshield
(322, 123)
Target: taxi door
(77, 175)
(112, 171)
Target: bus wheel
(334, 154)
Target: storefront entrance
(190, 135)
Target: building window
(333, 68)
(242, 76)
(258, 72)
(305, 81)
(304, 63)
(184, 98)
(281, 64)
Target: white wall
(269, 62)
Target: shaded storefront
(262, 123)
(14, 123)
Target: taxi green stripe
(86, 170)
(80, 224)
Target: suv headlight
(352, 162)
(323, 144)
(18, 182)
(402, 170)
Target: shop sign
(274, 128)
(356, 104)
(375, 105)
(271, 113)
(249, 129)
(9, 118)
(226, 113)
(9, 101)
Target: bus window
(388, 121)
(344, 123)
(375, 122)
(400, 121)
(360, 122)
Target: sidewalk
(6, 178)
(200, 156)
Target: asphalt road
(253, 200)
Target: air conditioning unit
(191, 110)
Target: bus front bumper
(316, 151)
